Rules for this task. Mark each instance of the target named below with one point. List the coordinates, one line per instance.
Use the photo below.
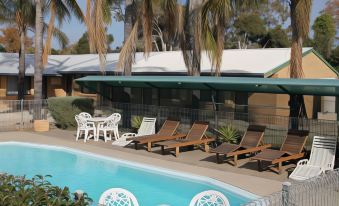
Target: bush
(228, 134)
(64, 109)
(36, 192)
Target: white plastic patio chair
(147, 127)
(321, 159)
(118, 197)
(109, 127)
(84, 126)
(85, 115)
(209, 198)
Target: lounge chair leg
(235, 160)
(218, 158)
(177, 151)
(259, 166)
(207, 148)
(279, 168)
(135, 145)
(162, 150)
(149, 146)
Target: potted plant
(228, 134)
(136, 123)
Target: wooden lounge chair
(291, 149)
(251, 142)
(166, 132)
(195, 136)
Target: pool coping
(181, 174)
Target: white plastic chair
(84, 126)
(209, 198)
(85, 115)
(109, 126)
(147, 127)
(321, 159)
(118, 197)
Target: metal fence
(319, 191)
(276, 126)
(20, 114)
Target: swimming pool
(94, 174)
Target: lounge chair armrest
(126, 135)
(302, 162)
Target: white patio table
(96, 121)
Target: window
(12, 85)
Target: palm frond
(100, 33)
(171, 15)
(127, 53)
(300, 21)
(90, 27)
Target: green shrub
(16, 190)
(228, 134)
(64, 109)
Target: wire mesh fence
(319, 191)
(20, 114)
(276, 126)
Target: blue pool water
(95, 174)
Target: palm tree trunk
(296, 103)
(196, 50)
(47, 48)
(21, 75)
(38, 67)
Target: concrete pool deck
(196, 162)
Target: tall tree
(332, 7)
(38, 43)
(10, 40)
(60, 10)
(324, 33)
(20, 13)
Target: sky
(74, 29)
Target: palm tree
(38, 66)
(300, 23)
(98, 17)
(144, 18)
(22, 14)
(60, 10)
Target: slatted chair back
(197, 131)
(115, 117)
(295, 141)
(147, 126)
(168, 128)
(323, 152)
(253, 136)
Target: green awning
(319, 87)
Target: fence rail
(276, 126)
(20, 114)
(319, 191)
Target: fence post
(22, 114)
(286, 193)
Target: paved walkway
(196, 162)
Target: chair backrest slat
(323, 152)
(253, 136)
(168, 128)
(295, 141)
(147, 126)
(197, 131)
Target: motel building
(80, 75)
